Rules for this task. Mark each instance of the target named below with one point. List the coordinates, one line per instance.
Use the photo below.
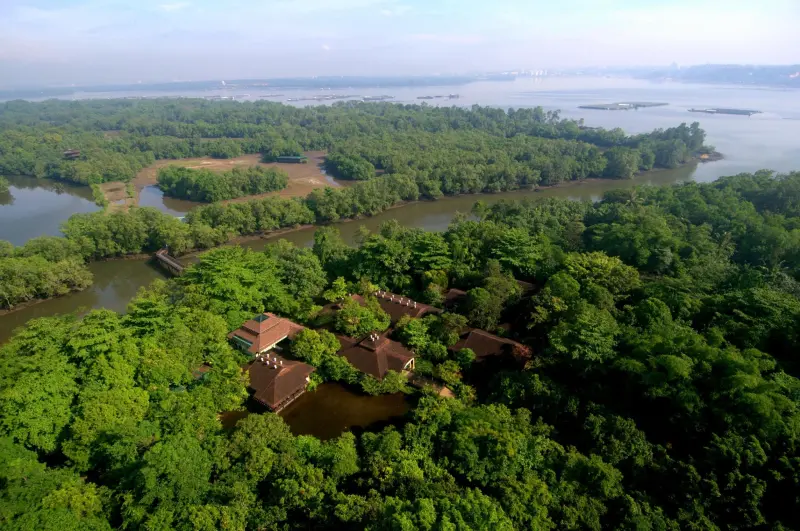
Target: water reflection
(37, 207)
(330, 410)
(115, 284)
(6, 198)
(152, 196)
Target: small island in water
(743, 112)
(622, 106)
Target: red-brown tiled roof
(375, 356)
(277, 381)
(397, 305)
(484, 344)
(265, 330)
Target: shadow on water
(330, 410)
(333, 408)
(115, 284)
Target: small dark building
(293, 159)
(376, 355)
(263, 332)
(72, 154)
(397, 306)
(277, 382)
(525, 286)
(453, 298)
(484, 345)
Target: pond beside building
(330, 410)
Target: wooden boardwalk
(168, 262)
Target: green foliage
(208, 186)
(588, 335)
(314, 347)
(602, 270)
(357, 320)
(300, 272)
(661, 392)
(3, 185)
(98, 196)
(465, 357)
(44, 268)
(332, 252)
(483, 309)
(37, 497)
(237, 283)
(621, 163)
(419, 152)
(337, 292)
(392, 382)
(39, 384)
(349, 167)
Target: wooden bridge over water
(169, 262)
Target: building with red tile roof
(398, 306)
(484, 344)
(376, 355)
(276, 382)
(261, 333)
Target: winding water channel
(769, 140)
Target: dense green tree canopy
(397, 153)
(659, 390)
(207, 186)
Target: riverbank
(33, 302)
(117, 281)
(274, 234)
(303, 178)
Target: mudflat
(303, 178)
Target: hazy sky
(99, 41)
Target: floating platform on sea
(377, 98)
(717, 110)
(623, 106)
(438, 97)
(326, 97)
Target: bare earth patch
(302, 177)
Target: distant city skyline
(84, 42)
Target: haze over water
(767, 140)
(763, 141)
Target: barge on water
(623, 106)
(437, 97)
(740, 112)
(377, 98)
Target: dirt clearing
(116, 193)
(302, 177)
